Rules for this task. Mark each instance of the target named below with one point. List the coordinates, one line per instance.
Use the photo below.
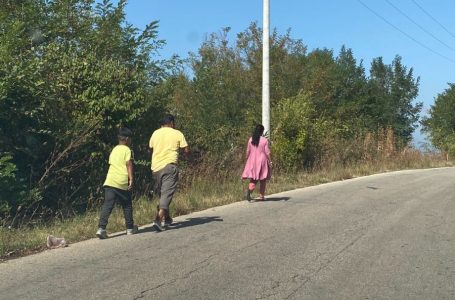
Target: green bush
(292, 132)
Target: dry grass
(202, 193)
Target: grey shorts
(166, 184)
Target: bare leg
(262, 186)
(157, 215)
(251, 187)
(162, 214)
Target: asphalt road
(387, 236)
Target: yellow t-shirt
(165, 143)
(117, 176)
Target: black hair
(168, 119)
(257, 133)
(124, 133)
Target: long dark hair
(257, 133)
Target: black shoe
(167, 222)
(248, 195)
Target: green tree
(293, 132)
(221, 102)
(287, 60)
(71, 72)
(392, 90)
(440, 123)
(212, 106)
(350, 89)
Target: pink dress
(257, 165)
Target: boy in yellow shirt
(165, 144)
(118, 184)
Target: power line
(404, 33)
(433, 18)
(418, 25)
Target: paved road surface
(389, 236)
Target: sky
(422, 32)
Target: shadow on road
(194, 221)
(187, 223)
(372, 188)
(277, 199)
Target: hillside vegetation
(73, 71)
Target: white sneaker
(101, 233)
(157, 225)
(133, 230)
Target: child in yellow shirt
(118, 184)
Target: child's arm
(129, 167)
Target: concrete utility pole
(265, 68)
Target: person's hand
(130, 185)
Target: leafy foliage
(391, 90)
(440, 124)
(72, 71)
(294, 135)
(316, 98)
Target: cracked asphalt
(386, 236)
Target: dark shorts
(166, 184)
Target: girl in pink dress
(258, 164)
